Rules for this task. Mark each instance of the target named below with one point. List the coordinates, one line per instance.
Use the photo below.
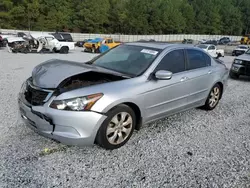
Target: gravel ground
(191, 149)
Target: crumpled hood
(51, 73)
(244, 57)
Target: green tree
(229, 17)
(92, 16)
(5, 17)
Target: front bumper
(67, 127)
(240, 69)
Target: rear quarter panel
(71, 45)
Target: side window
(67, 37)
(174, 62)
(58, 36)
(110, 41)
(211, 48)
(197, 59)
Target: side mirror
(163, 75)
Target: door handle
(209, 72)
(184, 79)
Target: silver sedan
(104, 100)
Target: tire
(54, 50)
(110, 140)
(213, 98)
(233, 75)
(64, 50)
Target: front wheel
(213, 98)
(117, 129)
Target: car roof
(242, 45)
(159, 45)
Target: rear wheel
(213, 98)
(64, 50)
(234, 75)
(117, 129)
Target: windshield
(247, 52)
(127, 59)
(202, 46)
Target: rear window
(197, 59)
(67, 37)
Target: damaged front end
(87, 79)
(36, 96)
(55, 77)
(58, 118)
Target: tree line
(231, 17)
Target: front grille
(246, 67)
(34, 96)
(246, 63)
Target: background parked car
(239, 50)
(202, 41)
(245, 39)
(100, 45)
(187, 41)
(63, 37)
(212, 50)
(241, 66)
(214, 42)
(4, 37)
(224, 40)
(81, 43)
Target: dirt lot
(191, 149)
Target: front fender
(109, 104)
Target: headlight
(76, 104)
(237, 61)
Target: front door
(165, 97)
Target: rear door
(199, 74)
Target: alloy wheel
(119, 128)
(214, 97)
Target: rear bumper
(70, 128)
